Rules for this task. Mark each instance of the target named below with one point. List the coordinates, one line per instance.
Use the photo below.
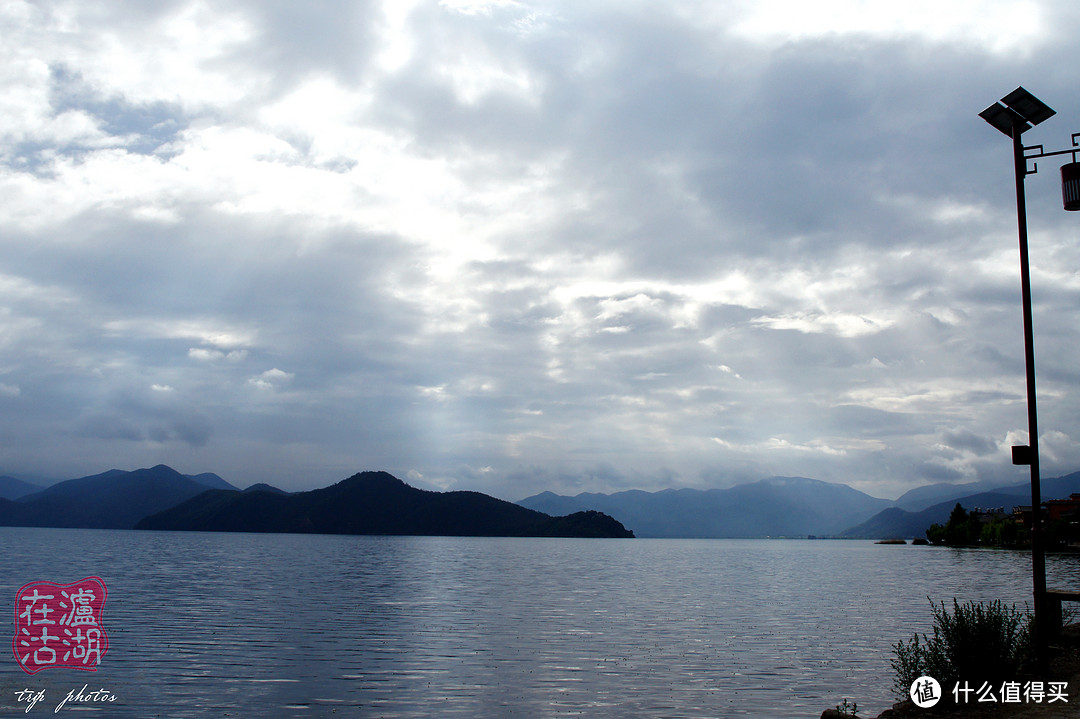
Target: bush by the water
(975, 642)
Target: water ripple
(312, 626)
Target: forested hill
(376, 503)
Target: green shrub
(848, 710)
(975, 643)
(908, 662)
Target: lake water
(251, 625)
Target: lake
(274, 625)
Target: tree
(962, 527)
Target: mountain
(898, 522)
(928, 495)
(778, 507)
(211, 480)
(11, 488)
(264, 487)
(116, 499)
(375, 503)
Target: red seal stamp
(59, 625)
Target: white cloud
(840, 324)
(205, 355)
(206, 331)
(1003, 26)
(181, 56)
(271, 379)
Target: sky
(513, 247)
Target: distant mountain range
(116, 499)
(794, 507)
(367, 503)
(777, 507)
(12, 488)
(927, 496)
(898, 522)
(378, 503)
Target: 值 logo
(925, 692)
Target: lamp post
(1013, 115)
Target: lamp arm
(1039, 152)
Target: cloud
(271, 379)
(103, 426)
(576, 246)
(971, 442)
(193, 430)
(203, 354)
(997, 26)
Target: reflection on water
(294, 625)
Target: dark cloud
(971, 442)
(939, 473)
(111, 427)
(293, 42)
(853, 420)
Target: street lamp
(1016, 113)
